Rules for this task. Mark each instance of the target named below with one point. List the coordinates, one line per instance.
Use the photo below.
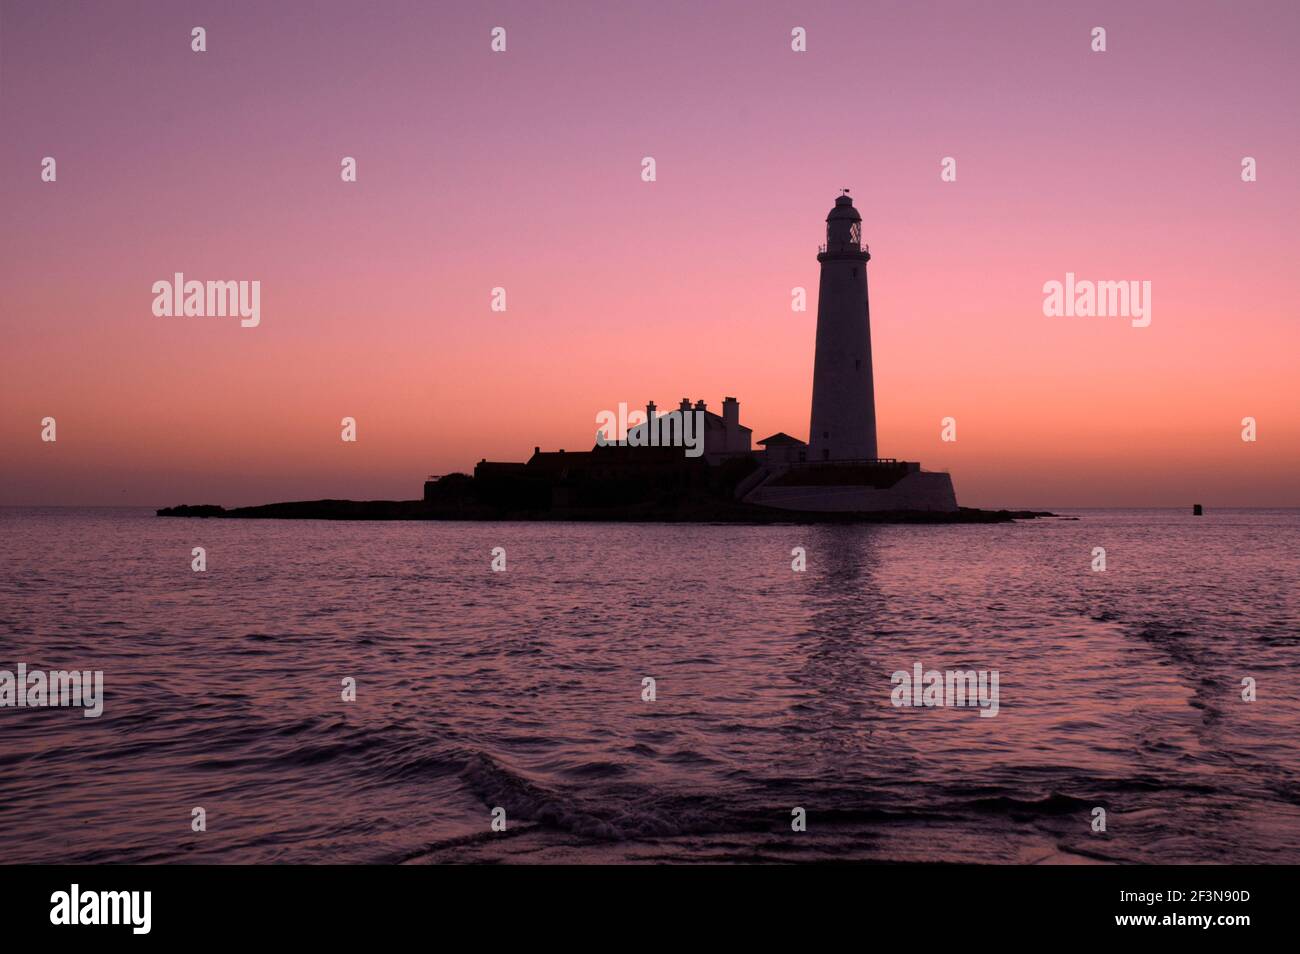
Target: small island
(684, 493)
(693, 465)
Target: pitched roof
(781, 437)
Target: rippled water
(1119, 689)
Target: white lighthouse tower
(844, 401)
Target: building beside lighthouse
(839, 468)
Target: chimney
(731, 421)
(731, 411)
(685, 405)
(700, 406)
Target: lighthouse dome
(844, 210)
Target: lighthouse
(839, 470)
(843, 401)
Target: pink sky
(522, 170)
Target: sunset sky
(522, 169)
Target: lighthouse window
(857, 364)
(853, 272)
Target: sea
(377, 692)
